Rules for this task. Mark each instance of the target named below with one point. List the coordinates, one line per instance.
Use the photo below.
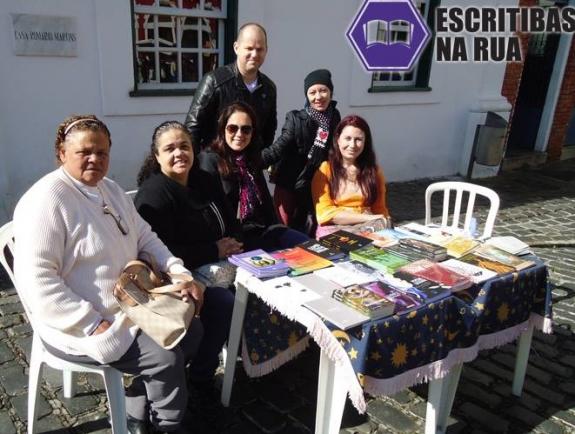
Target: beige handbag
(153, 303)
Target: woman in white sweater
(75, 230)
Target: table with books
(430, 322)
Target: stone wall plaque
(44, 35)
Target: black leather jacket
(221, 87)
(289, 152)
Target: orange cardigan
(325, 208)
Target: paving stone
(568, 360)
(263, 417)
(279, 398)
(568, 387)
(478, 393)
(566, 417)
(20, 404)
(403, 397)
(51, 423)
(12, 308)
(552, 367)
(20, 330)
(304, 415)
(6, 353)
(544, 392)
(540, 375)
(473, 374)
(83, 401)
(6, 424)
(9, 321)
(13, 379)
(491, 368)
(9, 299)
(488, 420)
(25, 345)
(383, 413)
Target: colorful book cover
(301, 261)
(473, 272)
(379, 258)
(489, 264)
(496, 254)
(406, 252)
(437, 273)
(365, 301)
(379, 239)
(427, 290)
(423, 246)
(401, 300)
(260, 263)
(318, 249)
(459, 245)
(344, 241)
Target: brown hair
(365, 162)
(226, 163)
(150, 164)
(78, 123)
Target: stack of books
(260, 264)
(444, 276)
(379, 259)
(365, 301)
(300, 261)
(430, 251)
(344, 241)
(510, 244)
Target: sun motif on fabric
(254, 356)
(503, 312)
(399, 355)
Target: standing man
(241, 81)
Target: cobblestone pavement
(538, 206)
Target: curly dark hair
(365, 162)
(77, 123)
(226, 163)
(150, 164)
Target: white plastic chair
(460, 187)
(40, 356)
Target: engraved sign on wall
(44, 35)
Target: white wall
(417, 134)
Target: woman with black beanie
(302, 146)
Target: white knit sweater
(68, 257)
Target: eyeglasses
(245, 129)
(117, 219)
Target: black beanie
(319, 76)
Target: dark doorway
(537, 71)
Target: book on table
(406, 252)
(510, 244)
(437, 273)
(428, 291)
(300, 260)
(336, 312)
(493, 253)
(348, 273)
(379, 238)
(379, 259)
(259, 263)
(319, 249)
(403, 301)
(489, 264)
(365, 301)
(473, 272)
(290, 291)
(459, 245)
(344, 240)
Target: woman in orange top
(349, 188)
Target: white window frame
(178, 16)
(400, 78)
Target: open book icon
(388, 32)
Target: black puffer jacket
(289, 152)
(220, 88)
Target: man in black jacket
(241, 81)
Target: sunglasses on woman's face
(233, 129)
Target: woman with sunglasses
(297, 153)
(235, 159)
(349, 188)
(75, 231)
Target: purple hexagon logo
(388, 35)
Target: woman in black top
(187, 209)
(303, 145)
(235, 159)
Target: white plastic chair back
(460, 188)
(40, 356)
